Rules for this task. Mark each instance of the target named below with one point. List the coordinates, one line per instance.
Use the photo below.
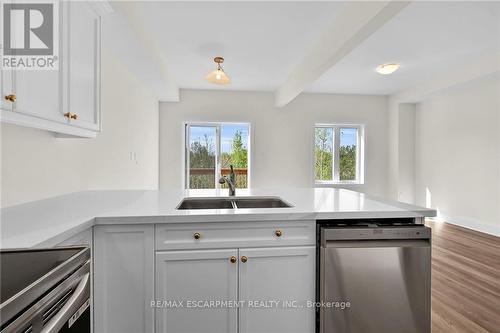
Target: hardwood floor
(465, 280)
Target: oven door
(386, 282)
(66, 308)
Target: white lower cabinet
(285, 275)
(196, 276)
(123, 278)
(265, 288)
(272, 286)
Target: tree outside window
(211, 149)
(337, 157)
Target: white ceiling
(427, 38)
(262, 42)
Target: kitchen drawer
(234, 234)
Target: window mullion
(187, 138)
(358, 154)
(336, 154)
(217, 155)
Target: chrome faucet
(231, 182)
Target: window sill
(336, 184)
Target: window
(338, 154)
(211, 148)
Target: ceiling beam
(161, 79)
(354, 23)
(483, 66)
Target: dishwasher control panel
(375, 232)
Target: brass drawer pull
(244, 259)
(71, 115)
(197, 235)
(233, 259)
(278, 233)
(11, 98)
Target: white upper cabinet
(67, 100)
(5, 89)
(38, 94)
(83, 65)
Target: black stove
(45, 290)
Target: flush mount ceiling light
(387, 68)
(218, 76)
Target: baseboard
(491, 227)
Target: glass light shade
(218, 77)
(387, 68)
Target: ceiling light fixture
(387, 68)
(218, 76)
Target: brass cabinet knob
(71, 115)
(11, 98)
(278, 233)
(233, 259)
(244, 259)
(197, 235)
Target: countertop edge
(166, 219)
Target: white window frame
(360, 155)
(186, 134)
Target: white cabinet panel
(196, 275)
(123, 278)
(38, 94)
(37, 91)
(84, 64)
(280, 274)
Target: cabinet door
(38, 94)
(83, 65)
(285, 274)
(43, 97)
(6, 88)
(199, 276)
(123, 278)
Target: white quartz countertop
(53, 220)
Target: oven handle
(73, 303)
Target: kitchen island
(160, 269)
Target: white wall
(393, 149)
(37, 165)
(457, 153)
(406, 153)
(282, 143)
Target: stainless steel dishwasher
(382, 271)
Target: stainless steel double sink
(232, 203)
